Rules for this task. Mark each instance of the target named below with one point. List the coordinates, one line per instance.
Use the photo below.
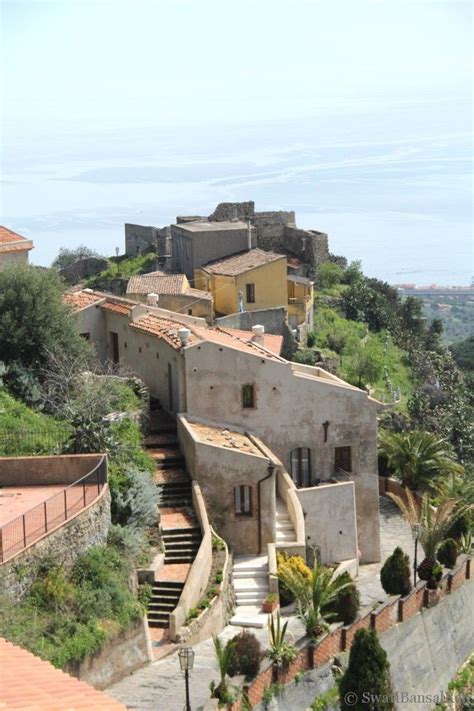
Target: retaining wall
(124, 654)
(425, 652)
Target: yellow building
(247, 281)
(300, 302)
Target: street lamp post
(186, 662)
(415, 530)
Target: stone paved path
(394, 531)
(160, 686)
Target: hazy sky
(355, 113)
(166, 60)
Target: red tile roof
(12, 242)
(163, 328)
(198, 294)
(81, 299)
(242, 262)
(157, 283)
(167, 329)
(28, 683)
(120, 306)
(270, 342)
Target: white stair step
(249, 617)
(250, 575)
(284, 526)
(251, 562)
(249, 584)
(285, 535)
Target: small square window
(248, 396)
(243, 500)
(250, 293)
(343, 459)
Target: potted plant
(270, 603)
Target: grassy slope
(41, 433)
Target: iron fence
(27, 528)
(19, 442)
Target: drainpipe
(271, 469)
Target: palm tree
(224, 655)
(417, 458)
(314, 595)
(434, 523)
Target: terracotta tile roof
(270, 342)
(12, 242)
(31, 684)
(167, 329)
(158, 283)
(299, 279)
(242, 262)
(81, 299)
(120, 306)
(163, 328)
(198, 294)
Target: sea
(390, 184)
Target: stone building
(312, 427)
(173, 292)
(142, 238)
(14, 249)
(194, 243)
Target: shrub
(366, 674)
(294, 563)
(311, 339)
(447, 553)
(347, 602)
(395, 574)
(247, 655)
(130, 541)
(328, 275)
(135, 499)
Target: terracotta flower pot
(270, 607)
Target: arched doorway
(300, 466)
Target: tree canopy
(66, 256)
(34, 321)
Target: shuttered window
(243, 500)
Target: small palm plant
(418, 458)
(224, 656)
(314, 596)
(281, 652)
(434, 523)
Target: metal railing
(20, 441)
(24, 530)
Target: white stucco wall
(330, 520)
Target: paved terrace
(48, 491)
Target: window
(243, 500)
(343, 459)
(248, 396)
(250, 293)
(190, 312)
(300, 464)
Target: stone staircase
(180, 529)
(284, 528)
(251, 586)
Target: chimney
(258, 332)
(184, 334)
(249, 235)
(152, 299)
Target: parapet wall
(41, 471)
(66, 544)
(426, 646)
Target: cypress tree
(395, 574)
(365, 686)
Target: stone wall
(215, 617)
(83, 268)
(227, 211)
(139, 238)
(66, 544)
(124, 654)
